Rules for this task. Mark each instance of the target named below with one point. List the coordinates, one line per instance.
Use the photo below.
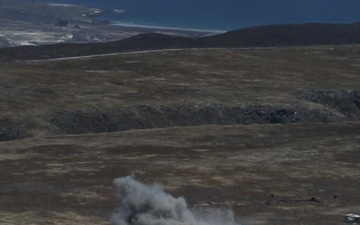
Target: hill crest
(263, 36)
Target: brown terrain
(272, 133)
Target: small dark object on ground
(313, 199)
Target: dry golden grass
(244, 164)
(67, 179)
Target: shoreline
(106, 12)
(116, 23)
(85, 25)
(97, 13)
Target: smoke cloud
(142, 204)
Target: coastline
(96, 17)
(116, 23)
(38, 25)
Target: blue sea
(225, 15)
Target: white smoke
(150, 205)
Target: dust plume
(142, 204)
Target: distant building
(62, 23)
(352, 218)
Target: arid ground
(272, 133)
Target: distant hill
(263, 36)
(289, 35)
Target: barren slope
(259, 130)
(181, 88)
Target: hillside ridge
(263, 36)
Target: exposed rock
(146, 117)
(346, 102)
(9, 134)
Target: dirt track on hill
(285, 167)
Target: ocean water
(225, 14)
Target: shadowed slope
(264, 36)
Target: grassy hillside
(181, 88)
(270, 133)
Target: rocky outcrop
(146, 117)
(346, 102)
(326, 106)
(9, 134)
